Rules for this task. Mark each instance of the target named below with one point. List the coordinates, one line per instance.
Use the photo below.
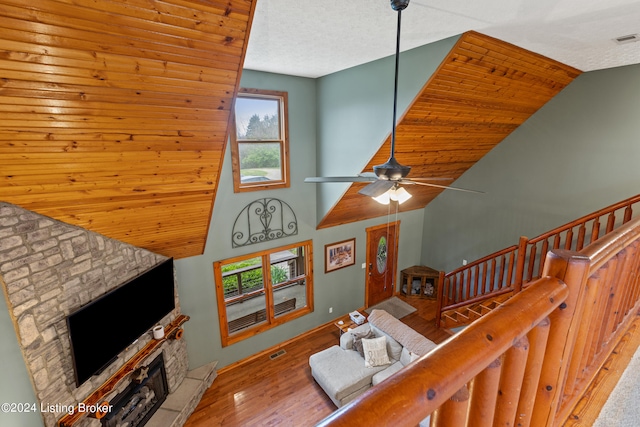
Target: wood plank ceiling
(482, 91)
(114, 113)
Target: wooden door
(382, 250)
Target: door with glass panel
(382, 248)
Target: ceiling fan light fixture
(396, 193)
(383, 199)
(400, 195)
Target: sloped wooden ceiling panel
(483, 90)
(114, 113)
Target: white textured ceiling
(312, 38)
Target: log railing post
(484, 394)
(513, 370)
(522, 256)
(452, 413)
(440, 298)
(420, 388)
(538, 338)
(572, 268)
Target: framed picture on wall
(339, 255)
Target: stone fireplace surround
(47, 270)
(144, 395)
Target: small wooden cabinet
(419, 281)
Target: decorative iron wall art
(263, 220)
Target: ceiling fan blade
(377, 188)
(449, 188)
(340, 179)
(435, 178)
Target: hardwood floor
(281, 391)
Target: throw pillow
(375, 352)
(357, 341)
(394, 348)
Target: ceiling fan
(387, 178)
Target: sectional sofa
(344, 372)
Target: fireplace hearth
(134, 406)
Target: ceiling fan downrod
(392, 170)
(385, 184)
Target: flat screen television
(102, 329)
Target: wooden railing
(512, 268)
(611, 291)
(528, 362)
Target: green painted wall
(15, 386)
(343, 289)
(355, 112)
(577, 154)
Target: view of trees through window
(260, 160)
(265, 288)
(259, 145)
(266, 127)
(248, 276)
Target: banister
(616, 206)
(572, 268)
(603, 249)
(443, 296)
(611, 304)
(410, 395)
(483, 260)
(528, 362)
(528, 257)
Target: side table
(347, 323)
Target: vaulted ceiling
(481, 92)
(114, 114)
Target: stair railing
(528, 362)
(512, 268)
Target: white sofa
(341, 371)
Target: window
(259, 291)
(259, 144)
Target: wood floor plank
(281, 391)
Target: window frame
(271, 320)
(238, 185)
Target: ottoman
(341, 373)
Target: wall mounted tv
(103, 328)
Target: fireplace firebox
(141, 399)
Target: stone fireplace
(49, 269)
(141, 399)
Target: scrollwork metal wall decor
(263, 220)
